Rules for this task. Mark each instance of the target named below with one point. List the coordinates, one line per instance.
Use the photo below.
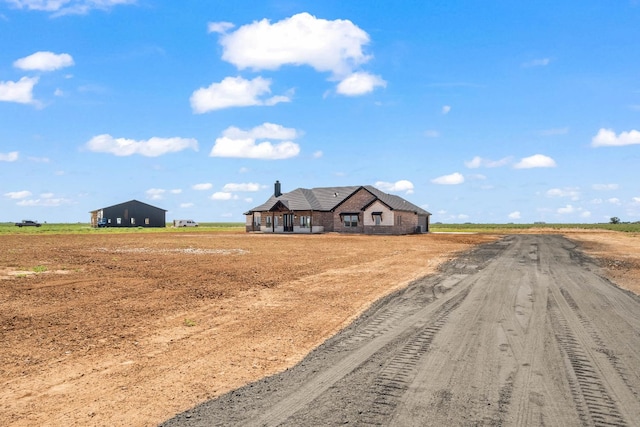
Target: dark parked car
(28, 223)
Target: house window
(305, 221)
(398, 220)
(133, 221)
(146, 221)
(377, 217)
(118, 221)
(268, 221)
(350, 220)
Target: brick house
(353, 209)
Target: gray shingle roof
(327, 198)
(396, 202)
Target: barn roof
(130, 202)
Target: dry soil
(130, 329)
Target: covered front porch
(280, 219)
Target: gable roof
(329, 198)
(396, 202)
(130, 202)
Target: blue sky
(478, 111)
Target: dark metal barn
(129, 214)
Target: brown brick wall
(324, 219)
(405, 222)
(353, 204)
(407, 225)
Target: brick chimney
(276, 189)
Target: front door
(287, 222)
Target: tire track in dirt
(401, 369)
(386, 334)
(595, 405)
(603, 391)
(510, 334)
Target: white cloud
(248, 186)
(614, 201)
(359, 83)
(446, 109)
(585, 214)
(431, 133)
(396, 187)
(236, 142)
(474, 163)
(478, 161)
(234, 92)
(535, 161)
(514, 215)
(203, 186)
(186, 205)
(176, 191)
(11, 156)
(18, 194)
(219, 27)
(334, 46)
(68, 7)
(566, 210)
(327, 46)
(317, 154)
(264, 131)
(152, 147)
(248, 199)
(44, 61)
(541, 62)
(572, 193)
(247, 148)
(221, 195)
(605, 187)
(608, 138)
(452, 179)
(636, 199)
(155, 193)
(47, 202)
(20, 91)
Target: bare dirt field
(130, 329)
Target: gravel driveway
(522, 331)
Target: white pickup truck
(184, 223)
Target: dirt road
(521, 331)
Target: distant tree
(614, 220)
